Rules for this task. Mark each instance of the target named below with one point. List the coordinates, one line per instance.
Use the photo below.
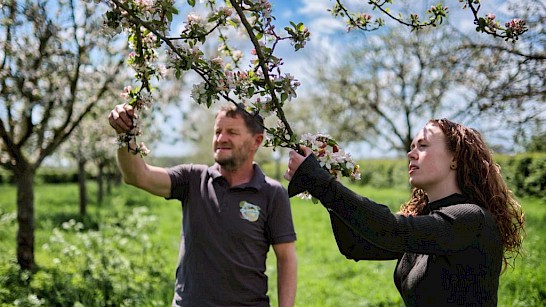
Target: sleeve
(180, 176)
(355, 247)
(444, 231)
(280, 226)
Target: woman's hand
(295, 160)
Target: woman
(454, 235)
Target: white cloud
(325, 26)
(319, 21)
(314, 7)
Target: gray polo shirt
(226, 234)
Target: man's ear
(258, 139)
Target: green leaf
(213, 18)
(191, 3)
(232, 23)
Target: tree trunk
(278, 168)
(25, 219)
(100, 183)
(83, 188)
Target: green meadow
(123, 253)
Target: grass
(325, 277)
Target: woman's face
(430, 161)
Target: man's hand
(121, 118)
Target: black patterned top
(451, 255)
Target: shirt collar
(256, 182)
(450, 200)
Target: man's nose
(221, 137)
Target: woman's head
(479, 179)
(478, 176)
(432, 164)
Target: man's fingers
(126, 114)
(121, 118)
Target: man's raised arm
(133, 168)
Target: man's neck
(240, 175)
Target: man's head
(254, 123)
(237, 137)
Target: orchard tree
(91, 142)
(381, 89)
(505, 84)
(56, 65)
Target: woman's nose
(411, 155)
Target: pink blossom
(126, 91)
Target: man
(232, 213)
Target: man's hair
(254, 122)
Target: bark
(100, 183)
(25, 219)
(82, 187)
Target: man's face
(233, 144)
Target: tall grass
(325, 277)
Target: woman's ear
(453, 164)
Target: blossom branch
(513, 30)
(265, 71)
(147, 34)
(510, 32)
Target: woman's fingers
(295, 160)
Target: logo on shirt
(249, 211)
